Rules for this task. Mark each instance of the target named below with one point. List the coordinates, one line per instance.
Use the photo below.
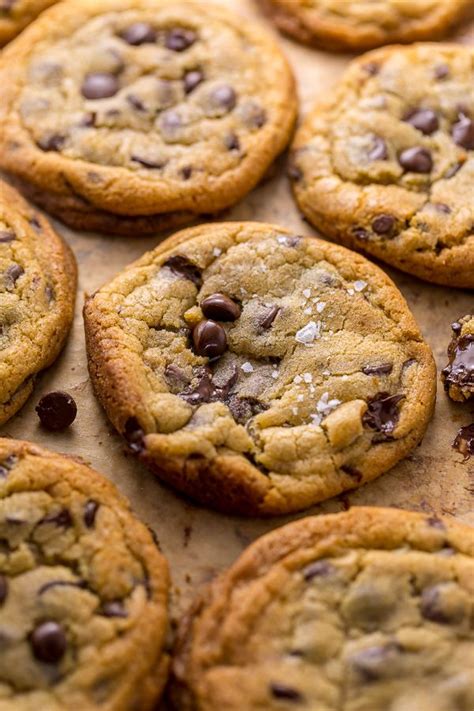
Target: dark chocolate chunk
(81, 584)
(379, 149)
(416, 160)
(134, 435)
(352, 472)
(90, 512)
(224, 97)
(57, 410)
(7, 465)
(148, 163)
(382, 412)
(61, 519)
(182, 267)
(100, 85)
(460, 369)
(288, 693)
(207, 390)
(186, 172)
(452, 171)
(12, 274)
(179, 39)
(192, 79)
(463, 132)
(48, 642)
(434, 609)
(382, 224)
(114, 608)
(210, 339)
(3, 589)
(464, 441)
(220, 308)
(375, 662)
(382, 369)
(231, 142)
(425, 120)
(6, 237)
(53, 142)
(267, 321)
(441, 207)
(318, 569)
(139, 33)
(136, 103)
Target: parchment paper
(198, 543)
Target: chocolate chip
(441, 207)
(224, 97)
(441, 71)
(90, 512)
(453, 170)
(147, 163)
(12, 274)
(464, 441)
(207, 390)
(463, 132)
(383, 224)
(186, 172)
(382, 412)
(180, 39)
(318, 569)
(352, 472)
(231, 142)
(379, 149)
(88, 119)
(113, 608)
(139, 33)
(210, 339)
(57, 410)
(460, 369)
(294, 172)
(7, 465)
(175, 376)
(81, 584)
(267, 321)
(6, 237)
(182, 267)
(54, 142)
(99, 85)
(375, 662)
(244, 408)
(48, 642)
(371, 68)
(3, 589)
(432, 608)
(282, 691)
(61, 519)
(136, 103)
(192, 79)
(134, 434)
(382, 369)
(425, 120)
(360, 233)
(220, 308)
(456, 327)
(416, 160)
(435, 522)
(253, 114)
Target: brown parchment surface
(199, 543)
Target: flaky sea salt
(308, 311)
(308, 378)
(351, 292)
(307, 293)
(320, 306)
(247, 367)
(325, 405)
(360, 285)
(275, 374)
(217, 252)
(308, 333)
(297, 379)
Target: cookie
(367, 610)
(458, 376)
(257, 371)
(83, 590)
(344, 25)
(17, 14)
(37, 293)
(386, 164)
(130, 116)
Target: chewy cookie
(257, 371)
(37, 293)
(386, 165)
(458, 376)
(17, 14)
(346, 25)
(133, 115)
(369, 610)
(83, 590)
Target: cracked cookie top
(386, 165)
(338, 24)
(17, 14)
(257, 370)
(360, 611)
(458, 375)
(83, 590)
(37, 293)
(144, 107)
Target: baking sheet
(199, 543)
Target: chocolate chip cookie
(83, 590)
(37, 293)
(344, 25)
(386, 164)
(257, 371)
(17, 14)
(130, 116)
(458, 376)
(368, 610)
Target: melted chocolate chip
(244, 408)
(231, 142)
(220, 307)
(113, 608)
(464, 441)
(61, 519)
(267, 321)
(48, 642)
(318, 569)
(3, 589)
(192, 79)
(383, 224)
(425, 120)
(139, 33)
(383, 369)
(382, 412)
(416, 160)
(224, 97)
(463, 132)
(99, 85)
(53, 142)
(134, 435)
(179, 39)
(379, 149)
(460, 370)
(57, 410)
(12, 274)
(210, 339)
(182, 267)
(6, 237)
(288, 693)
(90, 512)
(207, 390)
(352, 472)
